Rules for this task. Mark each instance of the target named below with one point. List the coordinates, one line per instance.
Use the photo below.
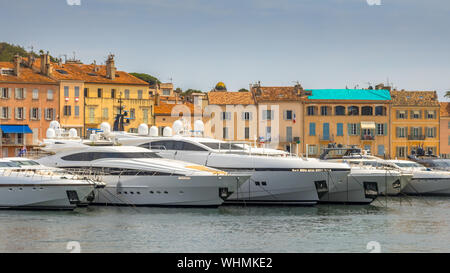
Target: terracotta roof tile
(276, 93)
(166, 108)
(445, 109)
(86, 73)
(27, 75)
(224, 97)
(414, 98)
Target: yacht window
(222, 146)
(8, 164)
(408, 165)
(127, 171)
(26, 162)
(172, 145)
(100, 155)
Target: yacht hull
(280, 188)
(42, 196)
(177, 191)
(428, 186)
(352, 190)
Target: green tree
(447, 94)
(243, 90)
(190, 91)
(146, 77)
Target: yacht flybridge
(139, 177)
(40, 188)
(275, 177)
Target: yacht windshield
(8, 164)
(222, 146)
(26, 162)
(101, 155)
(409, 165)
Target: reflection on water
(410, 224)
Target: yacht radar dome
(153, 131)
(177, 127)
(54, 125)
(143, 129)
(105, 127)
(167, 131)
(73, 133)
(50, 133)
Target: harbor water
(408, 224)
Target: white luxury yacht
(425, 181)
(390, 181)
(139, 177)
(22, 188)
(275, 180)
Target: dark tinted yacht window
(172, 145)
(99, 155)
(222, 146)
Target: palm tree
(447, 94)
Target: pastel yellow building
(414, 122)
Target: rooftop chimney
(46, 68)
(17, 61)
(110, 68)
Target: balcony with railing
(367, 137)
(416, 137)
(326, 137)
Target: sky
(197, 43)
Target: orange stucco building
(444, 131)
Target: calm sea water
(413, 224)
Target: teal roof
(349, 94)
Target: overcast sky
(196, 43)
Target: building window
(49, 94)
(113, 93)
(132, 113)
(20, 93)
(380, 111)
(247, 133)
(67, 110)
(77, 110)
(381, 129)
(5, 112)
(267, 114)
(49, 113)
(66, 91)
(448, 140)
(288, 134)
(246, 116)
(340, 129)
(366, 111)
(105, 113)
(402, 114)
(77, 91)
(145, 114)
(34, 113)
(127, 93)
(5, 93)
(430, 132)
(86, 92)
(431, 114)
(166, 92)
(140, 94)
(99, 93)
(416, 114)
(381, 150)
(268, 133)
(401, 152)
(401, 132)
(311, 110)
(312, 129)
(325, 110)
(353, 111)
(339, 111)
(312, 149)
(35, 94)
(353, 129)
(225, 133)
(226, 115)
(288, 115)
(20, 113)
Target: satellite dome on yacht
(153, 131)
(73, 133)
(143, 129)
(167, 132)
(54, 125)
(177, 127)
(199, 127)
(105, 127)
(50, 133)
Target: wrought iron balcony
(416, 137)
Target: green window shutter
(349, 129)
(358, 129)
(385, 131)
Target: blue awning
(15, 129)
